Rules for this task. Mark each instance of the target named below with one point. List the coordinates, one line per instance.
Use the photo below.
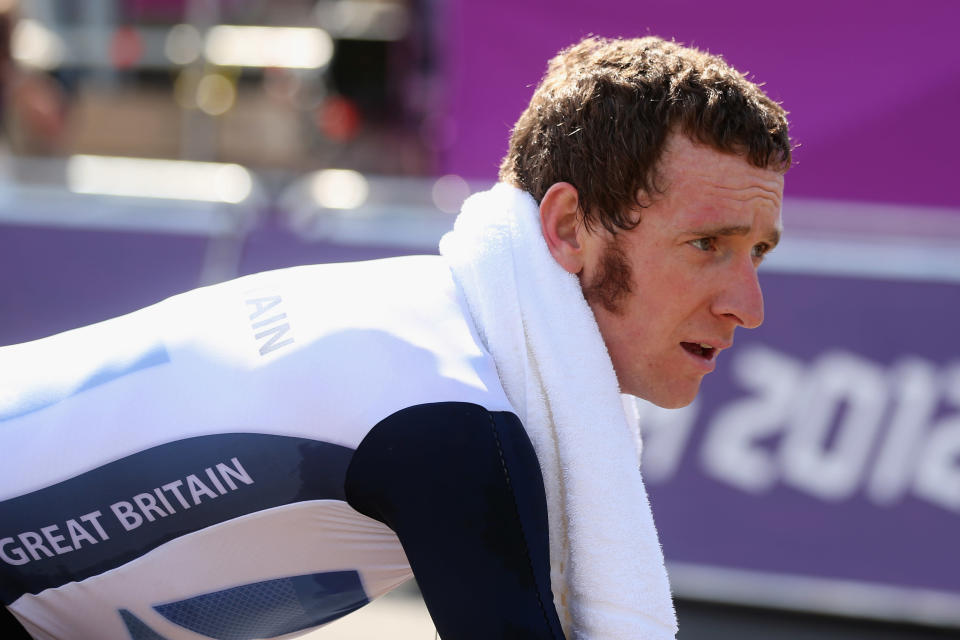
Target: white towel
(607, 571)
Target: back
(180, 470)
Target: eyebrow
(773, 238)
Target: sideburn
(611, 284)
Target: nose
(740, 297)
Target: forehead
(702, 184)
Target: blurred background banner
(871, 87)
(152, 146)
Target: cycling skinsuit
(260, 457)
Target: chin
(675, 403)
(676, 397)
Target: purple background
(872, 88)
(55, 279)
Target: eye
(761, 250)
(705, 244)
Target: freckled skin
(693, 259)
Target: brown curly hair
(601, 116)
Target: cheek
(665, 310)
(658, 291)
(636, 334)
(626, 333)
(675, 281)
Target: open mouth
(699, 349)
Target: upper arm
(461, 488)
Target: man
(260, 457)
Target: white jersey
(178, 472)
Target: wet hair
(601, 116)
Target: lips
(700, 349)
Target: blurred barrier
(86, 238)
(348, 208)
(74, 252)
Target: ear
(562, 226)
